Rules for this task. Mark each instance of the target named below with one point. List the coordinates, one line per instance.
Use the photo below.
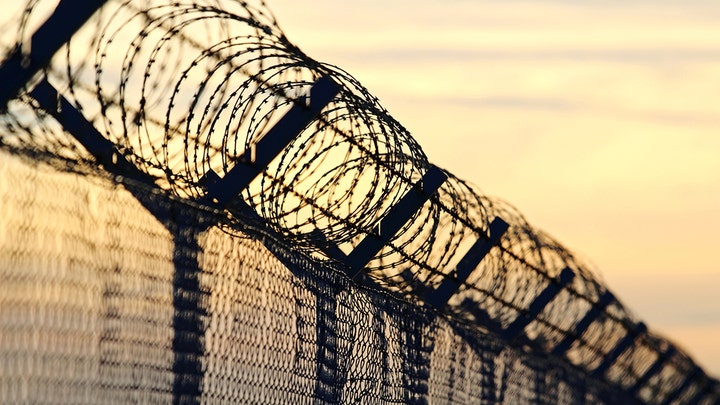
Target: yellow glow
(599, 120)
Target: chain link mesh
(146, 293)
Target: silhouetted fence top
(209, 101)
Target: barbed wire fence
(208, 104)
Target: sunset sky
(598, 120)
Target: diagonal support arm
(75, 123)
(398, 216)
(220, 191)
(19, 68)
(451, 284)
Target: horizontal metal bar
(452, 282)
(220, 191)
(539, 303)
(397, 216)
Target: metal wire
(184, 89)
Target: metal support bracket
(654, 369)
(482, 318)
(75, 123)
(398, 215)
(19, 68)
(327, 247)
(702, 391)
(451, 284)
(623, 345)
(675, 394)
(540, 302)
(220, 191)
(584, 323)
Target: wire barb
(185, 92)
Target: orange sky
(598, 120)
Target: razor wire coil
(185, 89)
